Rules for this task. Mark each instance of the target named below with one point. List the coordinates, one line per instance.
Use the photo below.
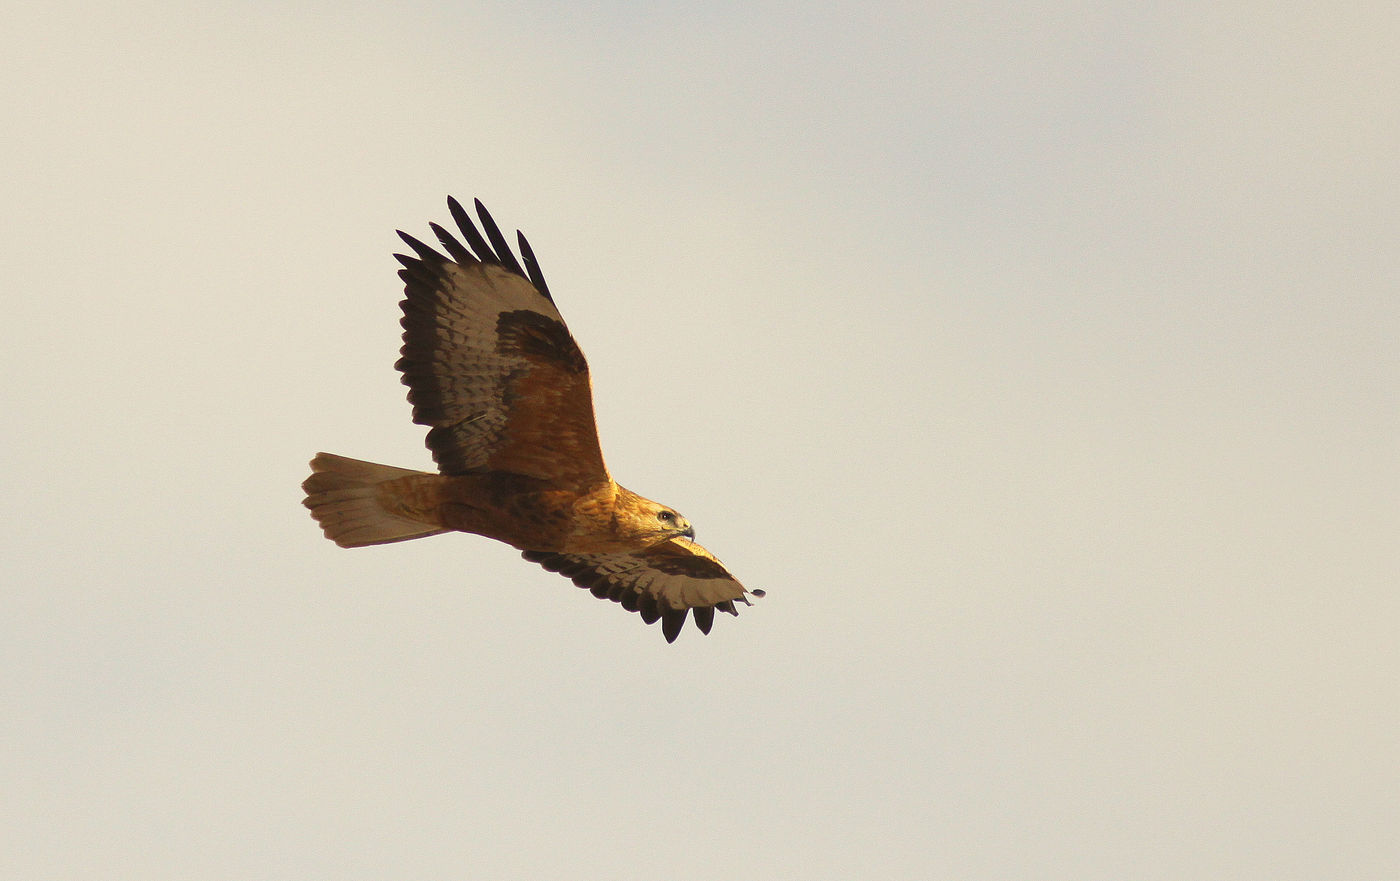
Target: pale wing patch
(663, 582)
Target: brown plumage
(493, 371)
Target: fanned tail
(347, 497)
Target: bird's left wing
(663, 582)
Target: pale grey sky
(1039, 360)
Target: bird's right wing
(489, 363)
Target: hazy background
(1039, 360)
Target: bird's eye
(666, 517)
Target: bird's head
(672, 522)
(648, 522)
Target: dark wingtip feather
(498, 241)
(532, 266)
(454, 248)
(672, 620)
(470, 233)
(425, 253)
(704, 618)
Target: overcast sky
(1041, 361)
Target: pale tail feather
(343, 495)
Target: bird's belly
(508, 508)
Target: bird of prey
(494, 373)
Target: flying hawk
(495, 374)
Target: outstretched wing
(490, 365)
(664, 581)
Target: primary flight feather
(493, 371)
